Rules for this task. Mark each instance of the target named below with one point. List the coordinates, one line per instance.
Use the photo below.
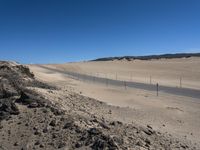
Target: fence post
(157, 89)
(106, 82)
(125, 85)
(83, 79)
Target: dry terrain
(162, 71)
(49, 110)
(178, 116)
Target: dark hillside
(149, 57)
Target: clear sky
(57, 31)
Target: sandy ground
(164, 71)
(63, 115)
(176, 115)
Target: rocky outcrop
(14, 80)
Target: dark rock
(16, 144)
(57, 111)
(184, 146)
(6, 89)
(104, 142)
(45, 130)
(45, 110)
(68, 124)
(9, 132)
(54, 136)
(37, 132)
(37, 143)
(148, 142)
(78, 130)
(7, 108)
(25, 71)
(95, 120)
(61, 145)
(62, 119)
(31, 99)
(115, 123)
(148, 126)
(148, 131)
(140, 143)
(94, 131)
(78, 145)
(24, 98)
(99, 144)
(41, 146)
(53, 123)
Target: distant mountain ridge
(149, 57)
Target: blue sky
(57, 31)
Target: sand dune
(163, 71)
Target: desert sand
(45, 109)
(178, 116)
(163, 71)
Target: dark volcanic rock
(68, 124)
(6, 89)
(94, 131)
(7, 107)
(30, 98)
(53, 123)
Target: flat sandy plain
(176, 115)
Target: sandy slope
(36, 115)
(163, 71)
(179, 116)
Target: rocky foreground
(31, 120)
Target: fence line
(149, 80)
